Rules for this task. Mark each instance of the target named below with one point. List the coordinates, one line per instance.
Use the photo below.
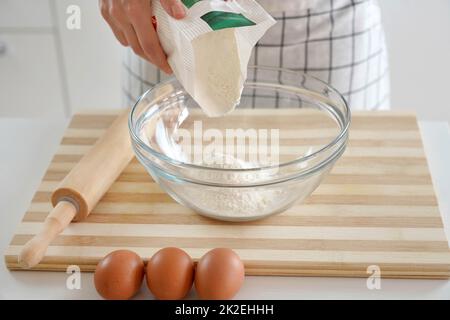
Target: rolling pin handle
(57, 220)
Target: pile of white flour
(234, 202)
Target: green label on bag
(221, 20)
(190, 3)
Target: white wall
(418, 37)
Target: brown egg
(170, 273)
(119, 275)
(219, 274)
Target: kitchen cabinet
(25, 14)
(31, 79)
(49, 69)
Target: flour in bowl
(234, 202)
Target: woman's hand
(130, 20)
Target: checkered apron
(338, 41)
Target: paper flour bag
(210, 48)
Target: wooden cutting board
(376, 207)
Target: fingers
(104, 9)
(130, 21)
(133, 41)
(120, 19)
(140, 18)
(175, 8)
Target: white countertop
(27, 146)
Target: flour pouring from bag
(209, 49)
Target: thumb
(174, 8)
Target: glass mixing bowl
(271, 152)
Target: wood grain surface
(376, 207)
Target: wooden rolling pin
(83, 187)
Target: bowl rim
(343, 132)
